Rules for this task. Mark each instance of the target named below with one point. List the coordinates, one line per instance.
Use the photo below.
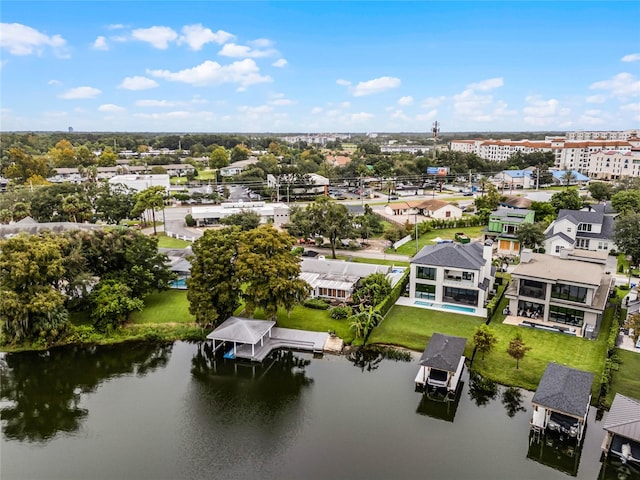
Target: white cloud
(470, 104)
(405, 101)
(138, 83)
(261, 43)
(596, 99)
(110, 107)
(115, 26)
(54, 82)
(633, 57)
(316, 110)
(425, 117)
(539, 112)
(432, 102)
(281, 62)
(592, 117)
(80, 93)
(631, 107)
(623, 85)
(242, 51)
(165, 115)
(244, 73)
(398, 115)
(344, 83)
(377, 85)
(100, 43)
(196, 36)
(489, 84)
(158, 37)
(157, 103)
(20, 39)
(360, 117)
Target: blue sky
(319, 66)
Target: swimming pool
(443, 306)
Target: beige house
(432, 208)
(565, 294)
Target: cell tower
(435, 130)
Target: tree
(362, 323)
(568, 177)
(245, 219)
(517, 349)
(600, 191)
(239, 152)
(626, 201)
(22, 165)
(545, 212)
(531, 235)
(84, 156)
(152, 199)
(373, 289)
(77, 208)
(219, 158)
(634, 322)
(113, 203)
(111, 304)
(484, 340)
(567, 199)
(268, 270)
(31, 304)
(331, 220)
(626, 235)
(63, 155)
(213, 287)
(108, 158)
(490, 200)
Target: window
(582, 243)
(568, 316)
(460, 295)
(467, 276)
(425, 291)
(426, 273)
(533, 289)
(584, 227)
(569, 292)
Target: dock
(284, 338)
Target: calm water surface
(178, 412)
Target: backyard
(445, 234)
(626, 378)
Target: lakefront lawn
(412, 327)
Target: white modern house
(566, 294)
(141, 182)
(275, 213)
(453, 274)
(587, 229)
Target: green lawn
(626, 379)
(169, 242)
(374, 261)
(206, 175)
(170, 306)
(445, 233)
(412, 327)
(622, 260)
(178, 180)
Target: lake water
(141, 411)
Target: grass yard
(412, 327)
(206, 175)
(427, 239)
(622, 260)
(314, 320)
(170, 306)
(626, 380)
(374, 261)
(169, 242)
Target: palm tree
(568, 176)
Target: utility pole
(415, 219)
(537, 178)
(435, 130)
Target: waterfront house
(565, 294)
(441, 363)
(561, 402)
(453, 273)
(622, 425)
(503, 228)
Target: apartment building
(613, 165)
(602, 135)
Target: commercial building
(276, 213)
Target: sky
(319, 67)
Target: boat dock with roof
(441, 363)
(255, 339)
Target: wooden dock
(284, 338)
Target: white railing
(180, 237)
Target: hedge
(385, 305)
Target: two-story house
(503, 228)
(567, 293)
(453, 273)
(587, 229)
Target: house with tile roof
(561, 402)
(622, 425)
(590, 229)
(431, 208)
(453, 273)
(503, 228)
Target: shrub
(624, 287)
(613, 252)
(621, 268)
(189, 220)
(316, 303)
(340, 313)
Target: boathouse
(623, 430)
(441, 363)
(255, 339)
(561, 402)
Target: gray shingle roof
(453, 255)
(562, 235)
(443, 352)
(241, 330)
(578, 216)
(514, 214)
(624, 417)
(564, 389)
